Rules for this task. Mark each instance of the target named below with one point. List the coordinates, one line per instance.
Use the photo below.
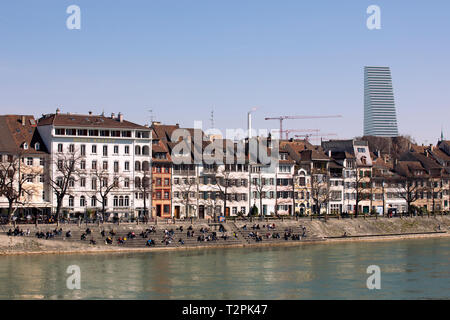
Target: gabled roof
(15, 130)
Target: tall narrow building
(380, 117)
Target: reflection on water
(410, 269)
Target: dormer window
(37, 146)
(25, 146)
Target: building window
(94, 149)
(37, 146)
(29, 161)
(60, 147)
(71, 201)
(105, 165)
(93, 201)
(94, 184)
(83, 150)
(127, 149)
(71, 148)
(82, 164)
(82, 201)
(105, 151)
(94, 164)
(116, 166)
(116, 149)
(166, 209)
(126, 183)
(127, 166)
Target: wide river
(410, 269)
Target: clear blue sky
(182, 58)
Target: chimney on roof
(120, 117)
(113, 115)
(58, 111)
(156, 123)
(90, 113)
(23, 120)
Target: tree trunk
(58, 210)
(10, 207)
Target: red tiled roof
(14, 134)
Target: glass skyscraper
(380, 117)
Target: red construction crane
(281, 118)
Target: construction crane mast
(282, 118)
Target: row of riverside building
(87, 164)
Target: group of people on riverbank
(18, 232)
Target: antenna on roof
(151, 116)
(212, 119)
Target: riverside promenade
(169, 235)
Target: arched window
(127, 201)
(25, 146)
(121, 201)
(82, 201)
(71, 201)
(137, 150)
(137, 166)
(93, 201)
(145, 150)
(137, 182)
(145, 166)
(116, 201)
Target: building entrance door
(201, 212)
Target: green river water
(410, 269)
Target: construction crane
(321, 135)
(289, 131)
(281, 118)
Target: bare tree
(145, 186)
(222, 182)
(103, 182)
(14, 175)
(363, 188)
(409, 192)
(186, 186)
(260, 186)
(320, 191)
(67, 171)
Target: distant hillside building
(380, 118)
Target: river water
(410, 269)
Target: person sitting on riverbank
(144, 235)
(151, 229)
(83, 236)
(102, 233)
(131, 235)
(93, 242)
(68, 234)
(112, 232)
(244, 227)
(150, 243)
(181, 241)
(190, 227)
(88, 231)
(121, 240)
(108, 240)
